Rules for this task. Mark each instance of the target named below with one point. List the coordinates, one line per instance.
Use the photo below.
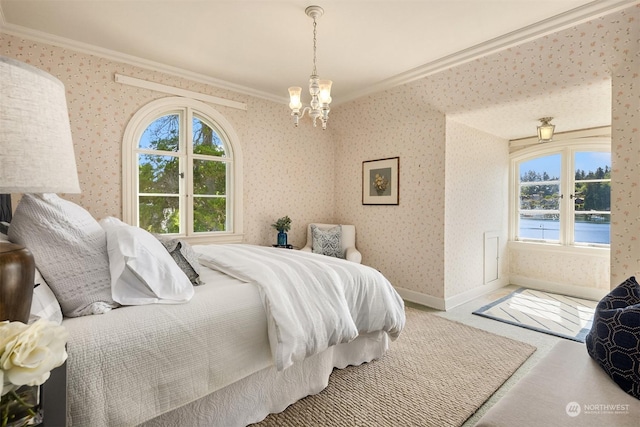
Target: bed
(265, 329)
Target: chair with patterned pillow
(337, 240)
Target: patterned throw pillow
(614, 340)
(327, 242)
(185, 257)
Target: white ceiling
(263, 47)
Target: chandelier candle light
(320, 90)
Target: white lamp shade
(36, 148)
(325, 91)
(294, 98)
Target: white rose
(28, 357)
(8, 331)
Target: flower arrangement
(380, 182)
(28, 353)
(283, 224)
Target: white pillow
(142, 271)
(70, 249)
(44, 304)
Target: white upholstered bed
(149, 344)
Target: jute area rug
(437, 373)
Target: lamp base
(17, 270)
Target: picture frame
(380, 181)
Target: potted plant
(282, 225)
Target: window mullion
(566, 209)
(188, 172)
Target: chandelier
(320, 90)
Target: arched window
(182, 171)
(561, 193)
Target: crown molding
(592, 10)
(42, 37)
(573, 17)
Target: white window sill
(594, 251)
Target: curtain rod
(158, 87)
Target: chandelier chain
(315, 72)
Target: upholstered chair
(348, 240)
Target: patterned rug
(554, 314)
(437, 373)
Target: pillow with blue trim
(614, 339)
(327, 242)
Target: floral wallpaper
(276, 154)
(567, 269)
(405, 242)
(625, 164)
(408, 121)
(316, 176)
(476, 201)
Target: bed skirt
(267, 391)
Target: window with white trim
(561, 193)
(181, 169)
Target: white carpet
(554, 314)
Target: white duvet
(312, 301)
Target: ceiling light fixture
(320, 90)
(545, 130)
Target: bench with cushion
(597, 384)
(551, 393)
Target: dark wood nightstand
(53, 398)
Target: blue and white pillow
(614, 339)
(327, 242)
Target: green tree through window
(182, 169)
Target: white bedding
(134, 363)
(312, 301)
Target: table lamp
(36, 156)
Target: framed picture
(380, 181)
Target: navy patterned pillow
(614, 339)
(327, 242)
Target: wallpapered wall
(405, 242)
(276, 155)
(315, 176)
(405, 122)
(476, 201)
(417, 243)
(625, 161)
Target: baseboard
(445, 304)
(420, 298)
(471, 294)
(559, 288)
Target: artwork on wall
(380, 181)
